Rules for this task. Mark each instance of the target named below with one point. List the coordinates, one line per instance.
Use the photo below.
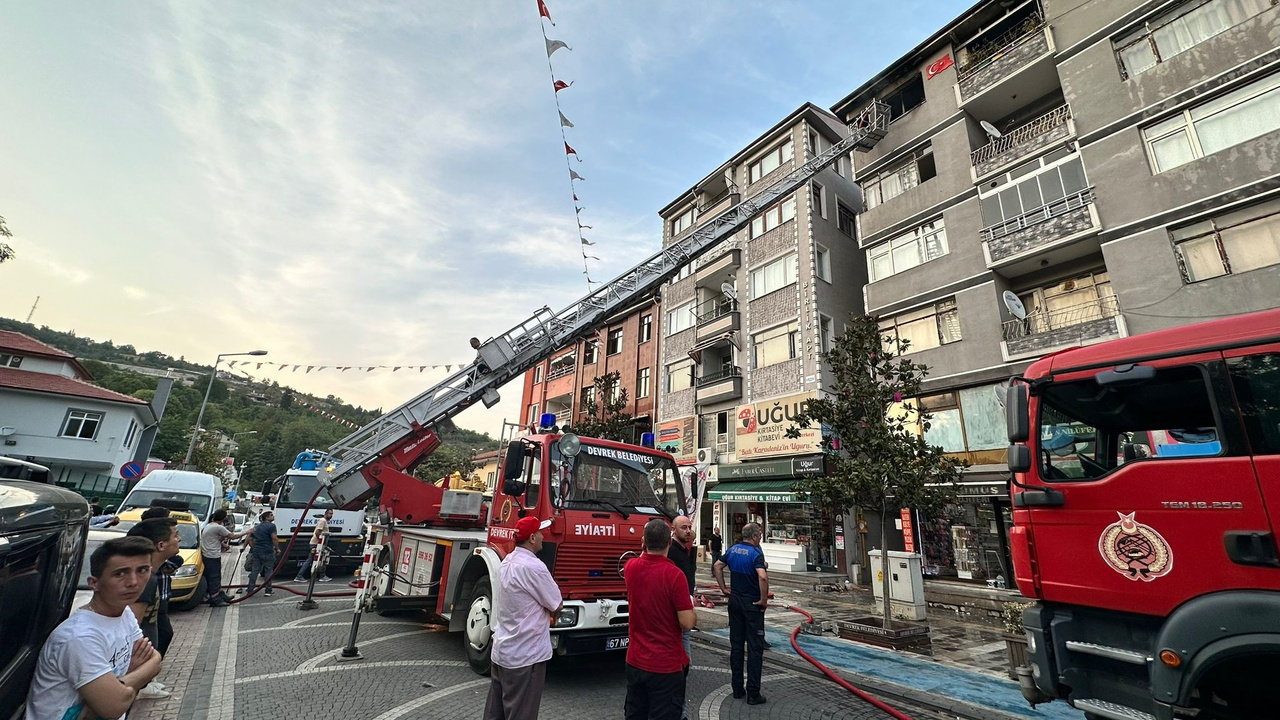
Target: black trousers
(213, 577)
(746, 625)
(653, 696)
(165, 630)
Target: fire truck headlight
(1031, 641)
(568, 617)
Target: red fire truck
(1146, 500)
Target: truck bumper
(583, 642)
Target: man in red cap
(660, 608)
(527, 599)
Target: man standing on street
(318, 537)
(263, 542)
(748, 596)
(151, 607)
(685, 556)
(660, 610)
(212, 537)
(528, 599)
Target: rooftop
(19, 344)
(58, 385)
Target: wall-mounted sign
(761, 428)
(677, 437)
(765, 469)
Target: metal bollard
(316, 570)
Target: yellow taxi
(188, 586)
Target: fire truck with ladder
(1146, 502)
(439, 548)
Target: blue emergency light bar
(646, 440)
(547, 420)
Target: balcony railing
(1026, 133)
(712, 202)
(1042, 321)
(1058, 207)
(724, 373)
(715, 308)
(560, 370)
(988, 52)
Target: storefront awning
(757, 491)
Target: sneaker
(268, 592)
(151, 692)
(299, 579)
(326, 578)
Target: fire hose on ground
(841, 681)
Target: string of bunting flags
(557, 85)
(329, 415)
(280, 367)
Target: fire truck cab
(1146, 497)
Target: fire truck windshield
(638, 481)
(298, 489)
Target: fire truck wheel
(382, 581)
(478, 637)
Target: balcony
(723, 384)
(717, 269)
(716, 318)
(1054, 225)
(1017, 64)
(1046, 331)
(711, 204)
(1021, 142)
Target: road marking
(712, 702)
(314, 662)
(366, 623)
(351, 666)
(295, 600)
(223, 698)
(299, 621)
(401, 710)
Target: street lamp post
(200, 417)
(245, 464)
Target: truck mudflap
(583, 642)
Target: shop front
(798, 535)
(968, 539)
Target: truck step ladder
(1111, 711)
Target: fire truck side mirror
(1019, 458)
(1017, 409)
(513, 465)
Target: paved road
(267, 659)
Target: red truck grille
(590, 570)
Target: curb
(883, 689)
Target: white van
(201, 492)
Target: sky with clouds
(375, 183)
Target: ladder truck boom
(383, 454)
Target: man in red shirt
(660, 610)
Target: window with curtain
(891, 183)
(680, 376)
(1180, 29)
(1230, 243)
(929, 327)
(683, 222)
(769, 162)
(1218, 124)
(777, 345)
(680, 319)
(774, 276)
(920, 245)
(775, 216)
(1031, 186)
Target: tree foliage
(6, 252)
(877, 456)
(606, 415)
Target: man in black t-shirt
(263, 541)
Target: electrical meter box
(906, 584)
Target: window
(845, 219)
(537, 375)
(826, 334)
(615, 390)
(1230, 243)
(129, 435)
(967, 420)
(588, 397)
(642, 383)
(682, 273)
(12, 361)
(774, 276)
(533, 414)
(1181, 29)
(615, 342)
(533, 480)
(680, 319)
(591, 353)
(925, 243)
(922, 329)
(81, 424)
(783, 212)
(891, 183)
(646, 328)
(1223, 122)
(679, 376)
(1077, 300)
(1087, 430)
(908, 96)
(822, 262)
(811, 142)
(1256, 379)
(1032, 186)
(683, 222)
(769, 162)
(716, 431)
(819, 208)
(777, 345)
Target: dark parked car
(42, 538)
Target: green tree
(445, 461)
(877, 456)
(607, 415)
(6, 252)
(207, 459)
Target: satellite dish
(991, 129)
(729, 290)
(1016, 308)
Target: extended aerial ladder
(383, 454)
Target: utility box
(906, 584)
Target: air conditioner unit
(706, 456)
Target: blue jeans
(265, 569)
(688, 650)
(306, 566)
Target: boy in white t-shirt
(96, 661)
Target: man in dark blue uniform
(748, 595)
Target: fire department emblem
(505, 513)
(1135, 550)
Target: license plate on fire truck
(617, 643)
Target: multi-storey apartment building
(743, 332)
(625, 344)
(1058, 173)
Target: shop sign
(908, 534)
(982, 489)
(677, 437)
(762, 497)
(791, 467)
(761, 428)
